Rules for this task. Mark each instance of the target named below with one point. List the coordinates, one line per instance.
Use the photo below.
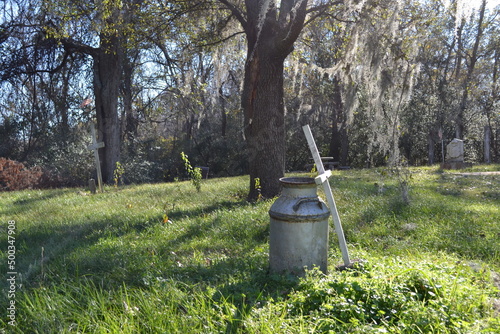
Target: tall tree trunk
(495, 96)
(107, 74)
(335, 141)
(264, 123)
(487, 146)
(270, 34)
(430, 145)
(460, 125)
(130, 120)
(60, 104)
(223, 115)
(344, 143)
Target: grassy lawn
(164, 258)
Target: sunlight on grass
(165, 258)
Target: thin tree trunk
(460, 125)
(107, 70)
(344, 143)
(222, 102)
(129, 118)
(430, 155)
(60, 104)
(335, 141)
(487, 141)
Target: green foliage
(71, 165)
(314, 171)
(194, 173)
(419, 297)
(118, 174)
(258, 188)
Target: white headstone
(455, 151)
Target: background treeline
(179, 68)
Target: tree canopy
(230, 82)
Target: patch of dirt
(479, 173)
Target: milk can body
(299, 228)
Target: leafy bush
(417, 300)
(69, 167)
(15, 176)
(65, 160)
(142, 171)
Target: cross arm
(322, 178)
(95, 146)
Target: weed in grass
(194, 173)
(118, 174)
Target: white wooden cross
(95, 146)
(322, 178)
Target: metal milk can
(299, 228)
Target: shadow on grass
(39, 245)
(30, 199)
(191, 254)
(63, 241)
(113, 252)
(465, 225)
(241, 284)
(225, 205)
(255, 292)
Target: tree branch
(71, 45)
(221, 40)
(236, 12)
(296, 24)
(321, 10)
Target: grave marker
(92, 187)
(455, 155)
(455, 151)
(95, 146)
(322, 178)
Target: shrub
(15, 176)
(141, 171)
(194, 173)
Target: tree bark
(222, 102)
(460, 125)
(270, 34)
(264, 124)
(129, 118)
(61, 101)
(487, 141)
(430, 145)
(107, 74)
(344, 143)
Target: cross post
(322, 179)
(95, 146)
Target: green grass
(165, 258)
